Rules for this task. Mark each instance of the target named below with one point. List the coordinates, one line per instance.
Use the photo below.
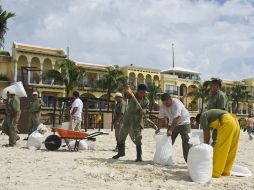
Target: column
(28, 73)
(15, 71)
(41, 67)
(53, 67)
(136, 83)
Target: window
(48, 100)
(171, 89)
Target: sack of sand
(164, 149)
(34, 141)
(200, 161)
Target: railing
(172, 92)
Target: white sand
(23, 169)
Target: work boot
(121, 151)
(139, 153)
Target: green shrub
(4, 77)
(6, 53)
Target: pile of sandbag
(200, 160)
(35, 140)
(83, 145)
(164, 149)
(17, 87)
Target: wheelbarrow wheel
(53, 142)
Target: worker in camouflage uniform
(133, 123)
(34, 109)
(12, 118)
(119, 111)
(217, 100)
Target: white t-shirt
(176, 109)
(77, 104)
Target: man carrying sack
(179, 121)
(133, 123)
(225, 148)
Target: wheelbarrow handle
(95, 134)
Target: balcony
(172, 92)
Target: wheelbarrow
(54, 142)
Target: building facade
(28, 62)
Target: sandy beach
(24, 169)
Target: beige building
(140, 75)
(33, 60)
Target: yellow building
(176, 81)
(179, 82)
(245, 107)
(32, 61)
(141, 75)
(93, 73)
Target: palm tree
(114, 80)
(70, 74)
(238, 94)
(4, 16)
(153, 95)
(201, 92)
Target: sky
(214, 37)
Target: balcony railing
(172, 92)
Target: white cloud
(214, 38)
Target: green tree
(238, 94)
(4, 77)
(113, 81)
(4, 17)
(201, 92)
(153, 95)
(70, 74)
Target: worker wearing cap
(217, 99)
(12, 117)
(225, 148)
(133, 123)
(119, 111)
(34, 109)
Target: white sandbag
(240, 171)
(200, 163)
(199, 134)
(17, 87)
(42, 129)
(164, 149)
(35, 140)
(83, 145)
(66, 126)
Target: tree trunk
(151, 107)
(202, 105)
(235, 107)
(108, 98)
(67, 91)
